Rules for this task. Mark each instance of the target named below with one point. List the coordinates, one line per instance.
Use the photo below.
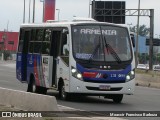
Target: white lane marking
(69, 108)
(5, 81)
(11, 65)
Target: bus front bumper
(89, 88)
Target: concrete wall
(27, 101)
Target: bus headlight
(130, 76)
(79, 76)
(74, 70)
(76, 73)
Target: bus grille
(104, 81)
(97, 89)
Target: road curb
(147, 80)
(27, 101)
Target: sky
(12, 12)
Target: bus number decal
(113, 75)
(121, 75)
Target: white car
(156, 67)
(142, 66)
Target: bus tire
(43, 90)
(117, 98)
(62, 93)
(32, 86)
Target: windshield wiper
(112, 51)
(95, 51)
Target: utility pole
(151, 38)
(93, 9)
(24, 11)
(33, 11)
(43, 10)
(137, 33)
(89, 8)
(3, 43)
(58, 13)
(29, 11)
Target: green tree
(143, 58)
(158, 58)
(6, 54)
(143, 30)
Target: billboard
(49, 10)
(156, 42)
(109, 11)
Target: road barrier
(27, 101)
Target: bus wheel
(117, 98)
(32, 87)
(39, 89)
(43, 90)
(63, 94)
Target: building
(8, 41)
(142, 47)
(8, 45)
(143, 50)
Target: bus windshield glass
(101, 43)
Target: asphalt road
(8, 77)
(144, 99)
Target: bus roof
(64, 23)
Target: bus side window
(65, 48)
(31, 42)
(21, 40)
(64, 44)
(132, 39)
(46, 42)
(38, 41)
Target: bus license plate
(104, 87)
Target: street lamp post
(43, 10)
(90, 3)
(137, 33)
(29, 11)
(58, 13)
(24, 11)
(3, 44)
(33, 11)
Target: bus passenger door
(21, 65)
(56, 34)
(63, 61)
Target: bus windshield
(101, 43)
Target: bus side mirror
(133, 39)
